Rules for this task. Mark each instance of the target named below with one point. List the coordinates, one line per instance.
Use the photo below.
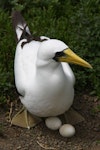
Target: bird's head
(58, 51)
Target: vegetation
(76, 22)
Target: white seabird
(43, 76)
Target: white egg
(67, 130)
(53, 123)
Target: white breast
(46, 91)
(50, 95)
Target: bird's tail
(20, 26)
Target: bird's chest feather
(49, 95)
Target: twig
(10, 112)
(45, 147)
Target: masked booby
(43, 76)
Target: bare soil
(87, 135)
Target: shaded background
(76, 22)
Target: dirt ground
(87, 135)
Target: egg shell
(67, 130)
(53, 123)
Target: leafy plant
(76, 22)
(6, 55)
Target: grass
(77, 23)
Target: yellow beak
(71, 57)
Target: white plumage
(46, 86)
(43, 77)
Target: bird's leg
(24, 119)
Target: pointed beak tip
(90, 67)
(87, 65)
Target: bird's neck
(50, 68)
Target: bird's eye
(58, 54)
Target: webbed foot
(24, 119)
(73, 117)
